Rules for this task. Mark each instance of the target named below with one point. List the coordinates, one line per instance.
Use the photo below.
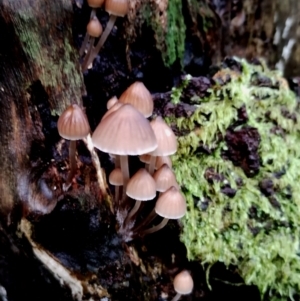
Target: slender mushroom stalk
(177, 297)
(72, 162)
(157, 227)
(125, 172)
(146, 221)
(116, 8)
(151, 165)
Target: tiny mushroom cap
(95, 3)
(125, 132)
(183, 283)
(161, 160)
(111, 102)
(145, 158)
(116, 177)
(166, 139)
(115, 107)
(94, 28)
(138, 96)
(118, 8)
(141, 186)
(165, 178)
(72, 124)
(171, 204)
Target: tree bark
(39, 76)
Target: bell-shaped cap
(118, 8)
(138, 96)
(166, 139)
(161, 160)
(171, 204)
(111, 102)
(95, 3)
(116, 177)
(115, 107)
(141, 186)
(165, 178)
(94, 28)
(72, 124)
(145, 158)
(125, 132)
(183, 283)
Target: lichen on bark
(238, 163)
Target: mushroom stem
(177, 297)
(133, 211)
(146, 221)
(125, 172)
(157, 227)
(152, 165)
(117, 188)
(87, 36)
(72, 162)
(105, 34)
(86, 63)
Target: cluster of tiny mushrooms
(125, 131)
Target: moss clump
(256, 227)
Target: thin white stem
(86, 60)
(177, 297)
(146, 221)
(125, 172)
(103, 38)
(157, 227)
(152, 165)
(132, 212)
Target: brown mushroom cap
(165, 178)
(95, 3)
(171, 204)
(111, 102)
(117, 7)
(116, 177)
(138, 96)
(94, 28)
(72, 124)
(141, 186)
(166, 139)
(125, 132)
(183, 283)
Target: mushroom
(93, 30)
(138, 96)
(95, 3)
(116, 8)
(72, 125)
(170, 205)
(165, 178)
(125, 132)
(116, 178)
(183, 284)
(111, 102)
(141, 187)
(161, 160)
(166, 140)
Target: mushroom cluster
(115, 8)
(125, 131)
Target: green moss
(263, 246)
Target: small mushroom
(116, 178)
(170, 205)
(111, 102)
(72, 125)
(165, 178)
(116, 8)
(183, 284)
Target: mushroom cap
(141, 186)
(183, 283)
(95, 3)
(94, 28)
(138, 96)
(171, 204)
(72, 124)
(145, 158)
(118, 8)
(116, 177)
(166, 139)
(165, 178)
(125, 132)
(161, 160)
(115, 107)
(111, 102)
